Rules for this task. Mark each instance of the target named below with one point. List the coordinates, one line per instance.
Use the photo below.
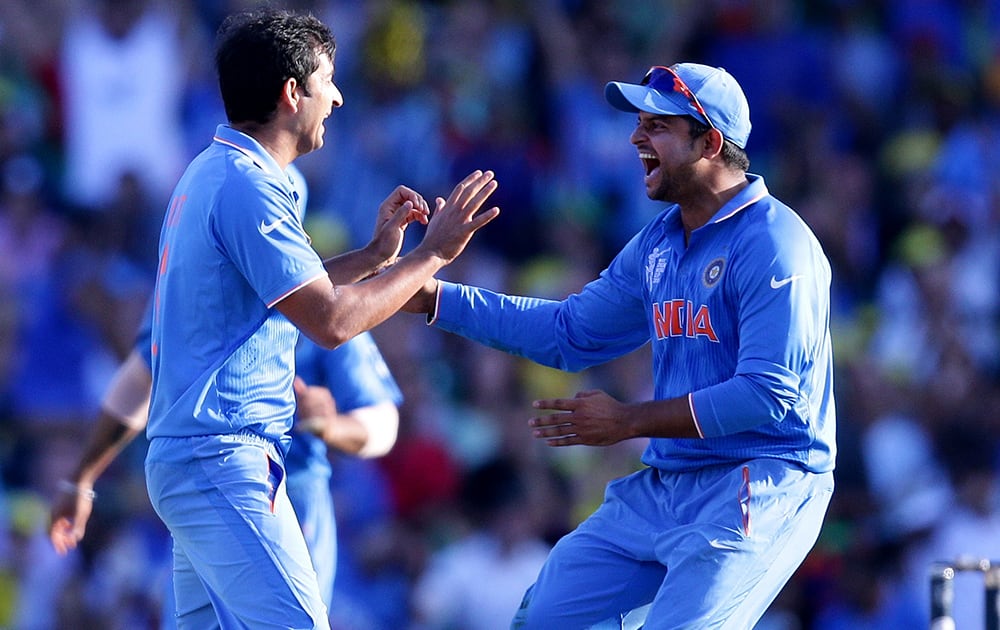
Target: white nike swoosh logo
(721, 544)
(267, 228)
(777, 284)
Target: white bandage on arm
(127, 397)
(382, 423)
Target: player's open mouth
(649, 161)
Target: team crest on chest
(713, 272)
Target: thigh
(188, 604)
(600, 571)
(232, 522)
(747, 534)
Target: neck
(277, 144)
(699, 210)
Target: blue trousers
(240, 560)
(710, 548)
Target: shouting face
(318, 98)
(668, 154)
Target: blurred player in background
(732, 289)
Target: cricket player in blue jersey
(346, 400)
(731, 288)
(353, 409)
(237, 280)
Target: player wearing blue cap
(237, 280)
(731, 288)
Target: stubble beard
(672, 186)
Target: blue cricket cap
(708, 94)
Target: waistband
(193, 446)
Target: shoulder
(772, 238)
(770, 223)
(246, 188)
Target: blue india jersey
(231, 247)
(738, 318)
(357, 376)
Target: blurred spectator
(476, 581)
(868, 593)
(32, 236)
(389, 130)
(122, 78)
(971, 528)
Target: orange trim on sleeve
(294, 289)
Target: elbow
(330, 337)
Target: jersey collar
(245, 144)
(751, 194)
(754, 192)
(224, 134)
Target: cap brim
(629, 97)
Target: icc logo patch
(655, 266)
(713, 272)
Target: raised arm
(330, 313)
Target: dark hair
(732, 155)
(258, 51)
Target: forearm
(331, 314)
(366, 432)
(594, 326)
(353, 266)
(344, 434)
(671, 418)
(595, 418)
(107, 439)
(124, 413)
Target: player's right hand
(454, 220)
(315, 407)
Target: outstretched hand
(401, 208)
(455, 219)
(591, 417)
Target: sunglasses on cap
(659, 75)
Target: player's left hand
(68, 520)
(591, 417)
(402, 207)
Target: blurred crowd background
(879, 121)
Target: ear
(290, 95)
(713, 143)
